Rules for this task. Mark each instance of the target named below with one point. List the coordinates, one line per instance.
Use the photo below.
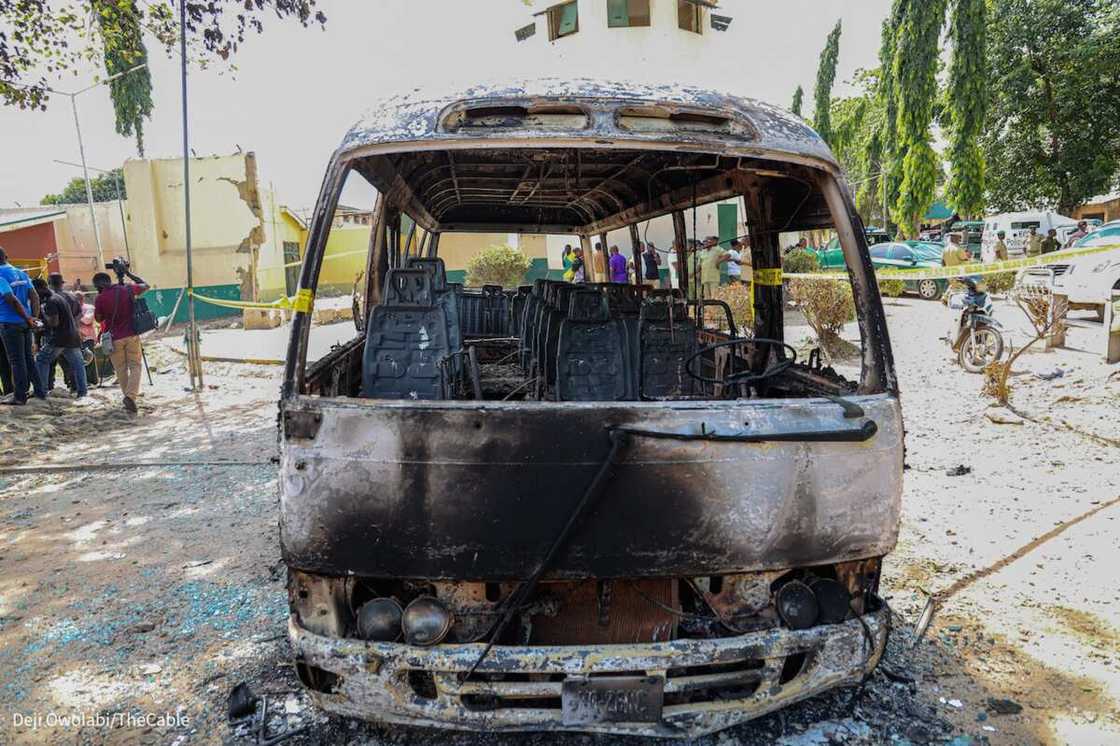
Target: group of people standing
(40, 325)
(709, 257)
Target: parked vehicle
(973, 231)
(898, 255)
(1086, 281)
(574, 506)
(1017, 226)
(976, 336)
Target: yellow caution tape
(961, 270)
(768, 276)
(241, 304)
(305, 299)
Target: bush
(497, 265)
(1001, 282)
(738, 299)
(827, 306)
(891, 288)
(798, 262)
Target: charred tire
(980, 349)
(929, 289)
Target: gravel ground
(148, 592)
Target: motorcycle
(976, 337)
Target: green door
(727, 216)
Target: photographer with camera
(115, 308)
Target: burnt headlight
(833, 600)
(426, 621)
(380, 620)
(797, 605)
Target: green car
(895, 255)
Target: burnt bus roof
(567, 155)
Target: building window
(623, 13)
(690, 16)
(563, 20)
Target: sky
(295, 91)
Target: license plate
(632, 699)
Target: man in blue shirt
(19, 309)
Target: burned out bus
(583, 506)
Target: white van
(1017, 225)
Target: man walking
(113, 308)
(61, 338)
(618, 267)
(19, 307)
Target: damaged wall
(228, 227)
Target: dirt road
(135, 595)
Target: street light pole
(73, 95)
(120, 203)
(85, 174)
(194, 361)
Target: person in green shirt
(1051, 242)
(568, 258)
(710, 259)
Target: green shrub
(827, 306)
(891, 288)
(800, 262)
(1001, 282)
(738, 299)
(497, 265)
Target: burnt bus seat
(529, 323)
(406, 341)
(667, 339)
(445, 297)
(590, 357)
(555, 317)
(625, 303)
(517, 310)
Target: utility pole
(120, 202)
(194, 362)
(82, 150)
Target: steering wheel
(745, 377)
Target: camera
(119, 265)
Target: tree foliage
(798, 99)
(41, 39)
(917, 50)
(104, 188)
(826, 76)
(1053, 135)
(124, 50)
(967, 106)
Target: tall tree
(967, 106)
(41, 39)
(917, 51)
(798, 98)
(826, 76)
(124, 51)
(885, 146)
(1053, 135)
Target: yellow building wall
(345, 258)
(223, 225)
